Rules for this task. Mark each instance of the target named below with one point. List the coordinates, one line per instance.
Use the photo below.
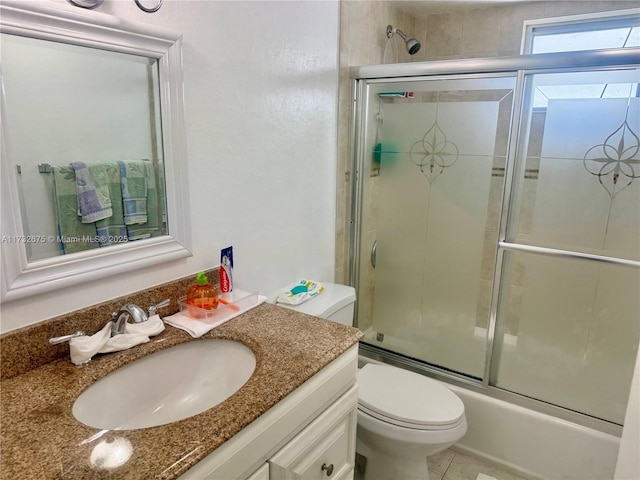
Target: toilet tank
(335, 303)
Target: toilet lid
(406, 398)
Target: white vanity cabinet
(324, 449)
(311, 428)
(261, 474)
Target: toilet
(402, 416)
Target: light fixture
(97, 3)
(412, 44)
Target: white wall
(628, 464)
(260, 105)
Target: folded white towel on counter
(82, 349)
(197, 328)
(151, 327)
(123, 341)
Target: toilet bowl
(402, 416)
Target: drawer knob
(327, 468)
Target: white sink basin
(166, 386)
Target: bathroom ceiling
(419, 8)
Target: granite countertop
(41, 438)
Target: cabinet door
(325, 449)
(261, 474)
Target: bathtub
(531, 444)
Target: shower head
(411, 43)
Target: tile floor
(450, 465)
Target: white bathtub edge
(534, 444)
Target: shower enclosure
(496, 224)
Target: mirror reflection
(83, 134)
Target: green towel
(133, 178)
(151, 227)
(112, 230)
(162, 204)
(94, 202)
(74, 235)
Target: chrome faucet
(133, 312)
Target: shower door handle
(374, 249)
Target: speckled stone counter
(41, 438)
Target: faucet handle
(153, 308)
(64, 338)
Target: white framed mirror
(83, 90)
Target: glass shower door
(498, 228)
(431, 202)
(569, 310)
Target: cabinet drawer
(325, 449)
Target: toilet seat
(407, 399)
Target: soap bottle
(202, 295)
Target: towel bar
(45, 168)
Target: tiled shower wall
(362, 41)
(487, 32)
